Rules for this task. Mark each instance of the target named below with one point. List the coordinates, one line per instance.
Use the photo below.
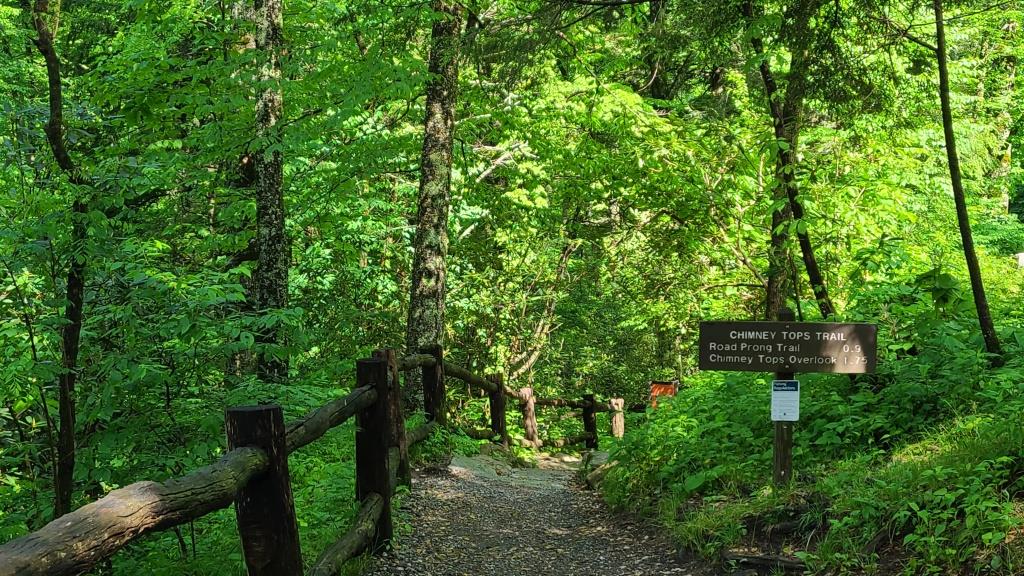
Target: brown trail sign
(788, 347)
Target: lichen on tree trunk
(430, 245)
(271, 239)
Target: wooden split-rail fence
(253, 474)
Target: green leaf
(694, 482)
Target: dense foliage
(617, 177)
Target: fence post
(433, 386)
(497, 401)
(396, 417)
(590, 420)
(618, 417)
(372, 435)
(527, 404)
(264, 508)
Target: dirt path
(482, 517)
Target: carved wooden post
(590, 420)
(618, 418)
(372, 436)
(264, 508)
(396, 417)
(527, 405)
(433, 386)
(497, 401)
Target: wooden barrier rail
(253, 475)
(528, 404)
(354, 541)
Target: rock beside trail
(484, 517)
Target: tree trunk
(427, 301)
(786, 117)
(70, 338)
(526, 353)
(790, 132)
(272, 241)
(778, 273)
(988, 331)
(71, 331)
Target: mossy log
(479, 433)
(353, 542)
(332, 414)
(79, 540)
(560, 403)
(420, 434)
(766, 562)
(456, 371)
(414, 361)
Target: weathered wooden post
(527, 403)
(590, 420)
(783, 448)
(396, 417)
(264, 508)
(433, 386)
(497, 401)
(618, 417)
(373, 473)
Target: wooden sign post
(782, 472)
(786, 347)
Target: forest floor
(480, 516)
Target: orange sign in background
(662, 389)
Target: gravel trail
(480, 517)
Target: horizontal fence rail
(253, 473)
(320, 421)
(78, 540)
(354, 542)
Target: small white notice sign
(785, 400)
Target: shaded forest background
(620, 171)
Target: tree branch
(903, 32)
(608, 3)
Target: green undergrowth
(322, 480)
(323, 486)
(918, 469)
(441, 444)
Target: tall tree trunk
(71, 331)
(526, 352)
(272, 241)
(786, 112)
(988, 331)
(778, 271)
(430, 246)
(787, 129)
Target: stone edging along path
(481, 517)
